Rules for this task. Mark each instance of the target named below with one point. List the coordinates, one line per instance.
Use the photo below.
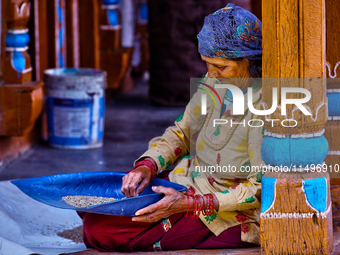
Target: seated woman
(224, 207)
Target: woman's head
(231, 38)
(233, 67)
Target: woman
(224, 206)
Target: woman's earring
(215, 75)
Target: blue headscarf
(231, 32)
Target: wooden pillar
(72, 33)
(20, 97)
(332, 128)
(114, 59)
(60, 33)
(141, 52)
(296, 215)
(50, 35)
(89, 33)
(16, 61)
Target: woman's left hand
(173, 202)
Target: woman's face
(223, 69)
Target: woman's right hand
(140, 175)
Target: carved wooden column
(60, 33)
(140, 60)
(114, 59)
(89, 33)
(296, 215)
(110, 25)
(17, 62)
(72, 33)
(50, 19)
(20, 97)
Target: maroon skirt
(119, 233)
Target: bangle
(199, 204)
(190, 214)
(210, 208)
(153, 169)
(193, 215)
(204, 212)
(210, 205)
(188, 200)
(203, 202)
(150, 165)
(198, 210)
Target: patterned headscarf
(231, 32)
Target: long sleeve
(245, 194)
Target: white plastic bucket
(75, 102)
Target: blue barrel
(75, 102)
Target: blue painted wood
(143, 12)
(17, 40)
(294, 151)
(113, 17)
(268, 191)
(18, 61)
(316, 193)
(333, 104)
(61, 34)
(50, 190)
(109, 2)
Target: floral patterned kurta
(238, 192)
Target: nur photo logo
(238, 103)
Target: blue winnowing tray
(50, 190)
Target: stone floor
(130, 123)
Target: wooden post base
(296, 214)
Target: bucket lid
(74, 78)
